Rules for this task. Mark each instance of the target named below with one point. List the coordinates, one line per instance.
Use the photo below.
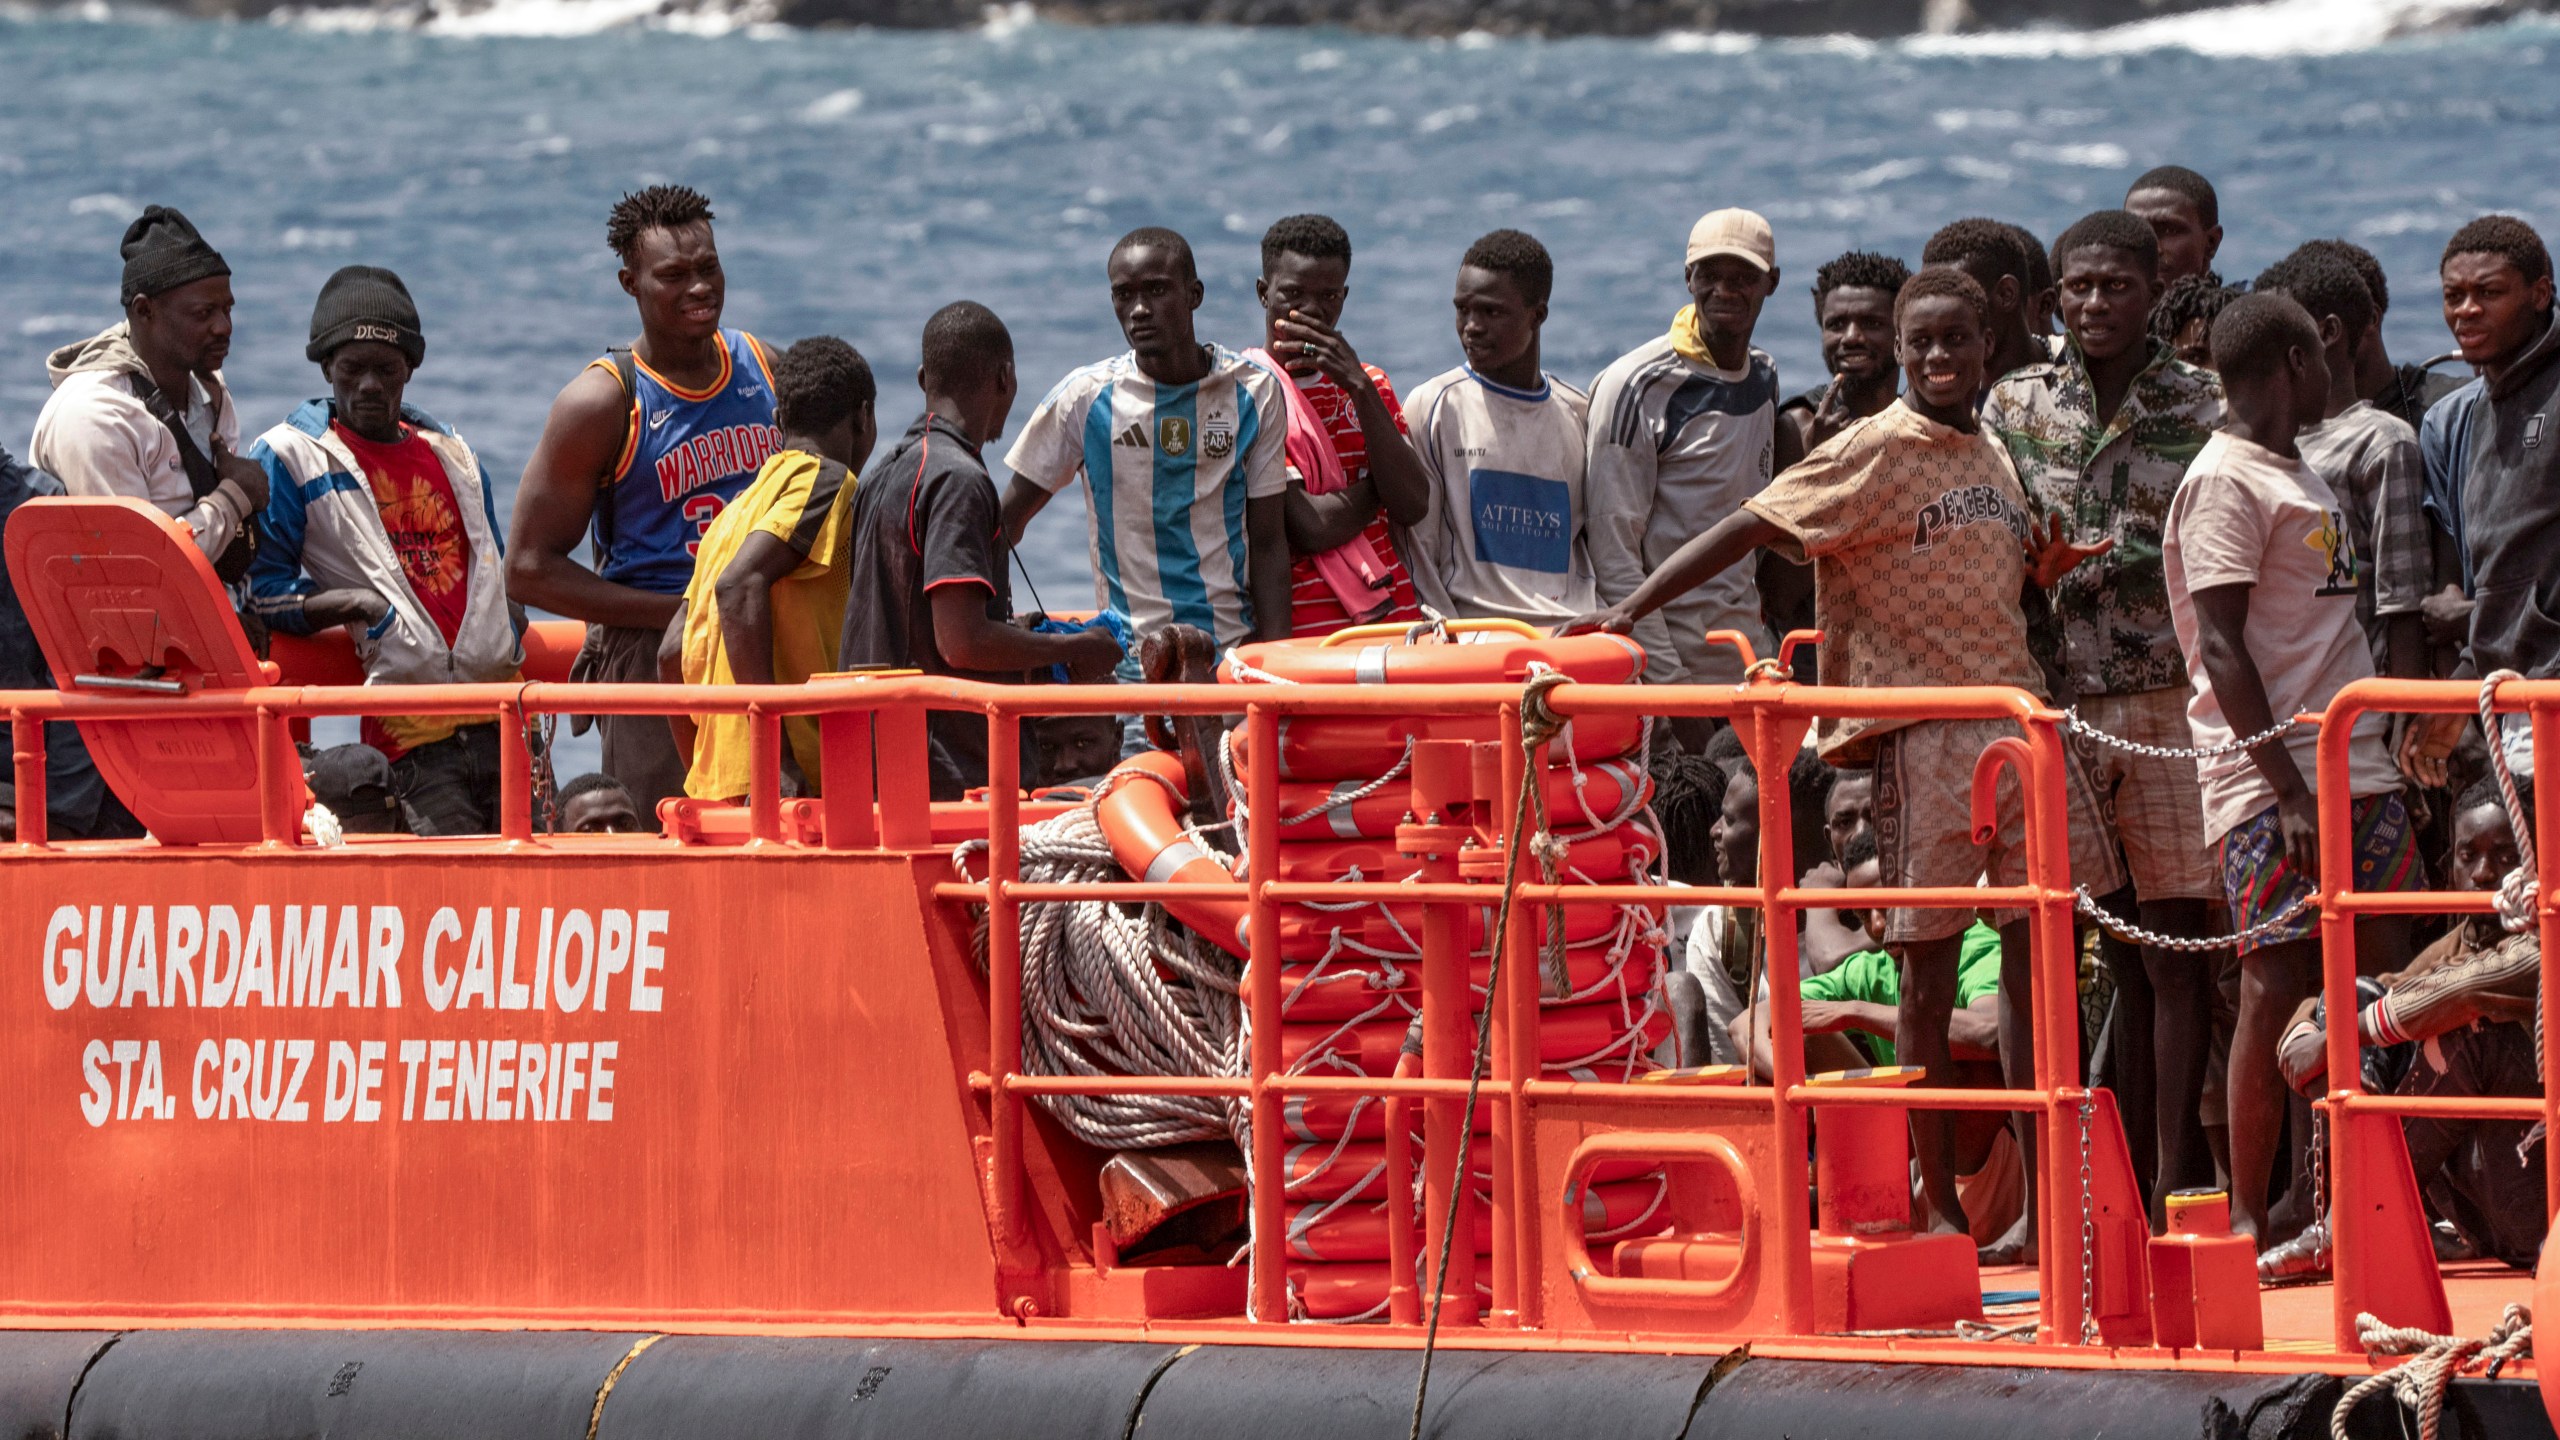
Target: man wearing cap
(382, 520)
(1683, 430)
(140, 410)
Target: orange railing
(873, 736)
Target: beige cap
(1733, 232)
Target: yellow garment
(790, 501)
(1686, 339)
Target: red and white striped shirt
(1313, 608)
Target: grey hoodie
(2511, 515)
(96, 434)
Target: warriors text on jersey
(690, 452)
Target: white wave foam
(2268, 28)
(481, 19)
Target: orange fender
(1143, 821)
(1357, 1231)
(1350, 1292)
(1329, 1169)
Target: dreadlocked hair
(2189, 299)
(1688, 795)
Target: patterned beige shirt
(1916, 532)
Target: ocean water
(863, 179)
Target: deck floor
(2297, 1316)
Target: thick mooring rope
(2421, 1380)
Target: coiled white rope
(2519, 890)
(2420, 1381)
(1109, 992)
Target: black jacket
(2511, 516)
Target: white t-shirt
(2247, 516)
(1504, 538)
(1168, 469)
(99, 440)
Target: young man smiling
(382, 520)
(1918, 534)
(1351, 473)
(1183, 450)
(1684, 430)
(1503, 443)
(1853, 310)
(645, 447)
(2101, 437)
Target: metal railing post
(2054, 1009)
(764, 776)
(2546, 844)
(1004, 1013)
(1517, 1253)
(1268, 1300)
(1791, 1218)
(26, 735)
(2338, 989)
(515, 776)
(279, 783)
(845, 804)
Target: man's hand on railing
(1615, 620)
(2425, 744)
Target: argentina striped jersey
(1167, 470)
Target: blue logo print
(1522, 520)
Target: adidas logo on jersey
(1135, 437)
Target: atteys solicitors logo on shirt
(1521, 520)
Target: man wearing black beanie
(383, 521)
(140, 410)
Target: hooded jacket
(2511, 515)
(322, 530)
(97, 436)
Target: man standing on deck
(2405, 390)
(1344, 568)
(2505, 501)
(1988, 250)
(2180, 207)
(1684, 429)
(140, 410)
(1182, 446)
(927, 554)
(645, 447)
(2101, 437)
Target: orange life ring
(1349, 1292)
(1480, 653)
(1141, 815)
(1349, 985)
(1396, 929)
(1331, 1169)
(1363, 747)
(1603, 858)
(1606, 788)
(1593, 1033)
(1327, 1117)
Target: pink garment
(1352, 569)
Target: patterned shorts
(2261, 882)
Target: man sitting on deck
(1943, 610)
(766, 605)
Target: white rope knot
(2420, 1381)
(2519, 892)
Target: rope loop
(2420, 1381)
(2520, 891)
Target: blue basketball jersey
(689, 455)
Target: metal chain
(2088, 1224)
(2320, 1179)
(2123, 929)
(2071, 721)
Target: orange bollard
(2204, 1279)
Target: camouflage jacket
(2111, 481)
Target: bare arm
(556, 502)
(2222, 618)
(671, 672)
(1022, 500)
(1703, 558)
(744, 592)
(1266, 538)
(1318, 523)
(1973, 1032)
(971, 640)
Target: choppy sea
(864, 178)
